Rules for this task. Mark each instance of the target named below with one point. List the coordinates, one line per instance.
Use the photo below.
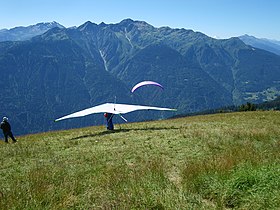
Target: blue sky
(216, 18)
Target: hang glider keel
(114, 109)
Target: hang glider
(112, 108)
(140, 84)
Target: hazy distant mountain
(68, 69)
(24, 33)
(265, 44)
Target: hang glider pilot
(109, 119)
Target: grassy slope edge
(223, 161)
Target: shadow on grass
(108, 132)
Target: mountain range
(265, 44)
(64, 70)
(22, 33)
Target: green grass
(219, 161)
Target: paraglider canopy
(140, 84)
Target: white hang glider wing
(112, 108)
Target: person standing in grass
(7, 131)
(109, 119)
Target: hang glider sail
(112, 108)
(140, 84)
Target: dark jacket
(5, 126)
(109, 118)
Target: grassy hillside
(219, 161)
